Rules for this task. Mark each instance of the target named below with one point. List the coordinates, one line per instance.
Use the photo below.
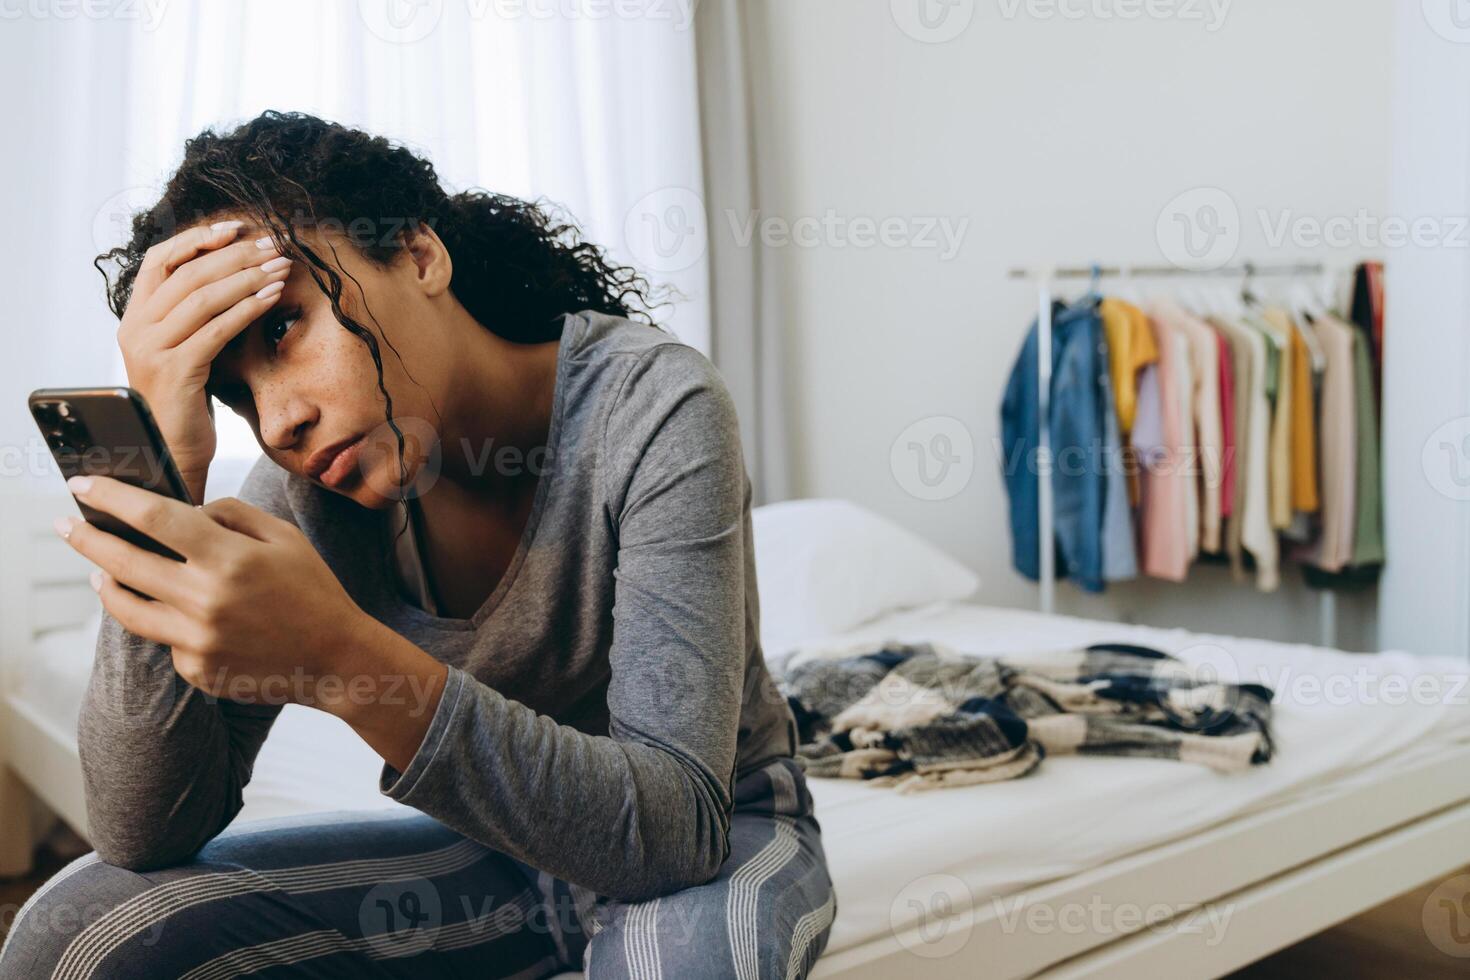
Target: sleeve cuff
(399, 786)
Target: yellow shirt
(1130, 349)
(1303, 429)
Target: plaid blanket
(919, 716)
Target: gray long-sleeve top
(598, 706)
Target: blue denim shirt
(1086, 455)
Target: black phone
(109, 432)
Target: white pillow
(826, 566)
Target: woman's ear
(434, 268)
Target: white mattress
(311, 762)
(998, 838)
(1003, 837)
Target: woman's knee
(708, 932)
(63, 910)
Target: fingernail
(96, 579)
(271, 291)
(265, 243)
(276, 264)
(226, 225)
(64, 525)
(81, 484)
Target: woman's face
(308, 386)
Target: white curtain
(745, 329)
(591, 105)
(60, 168)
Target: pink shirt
(1169, 477)
(1227, 426)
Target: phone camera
(48, 413)
(64, 428)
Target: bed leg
(17, 849)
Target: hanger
(1094, 285)
(1192, 298)
(1127, 288)
(1330, 290)
(1226, 300)
(1248, 298)
(1312, 305)
(1252, 306)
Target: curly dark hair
(519, 266)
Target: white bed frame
(1283, 873)
(43, 586)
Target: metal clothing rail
(1044, 277)
(1243, 270)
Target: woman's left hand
(252, 614)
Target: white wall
(1058, 140)
(1426, 443)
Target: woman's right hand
(193, 293)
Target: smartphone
(109, 432)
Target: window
(595, 113)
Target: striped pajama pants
(387, 895)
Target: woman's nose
(282, 425)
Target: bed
(1090, 867)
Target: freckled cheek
(342, 373)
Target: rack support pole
(1327, 618)
(1044, 504)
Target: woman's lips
(342, 465)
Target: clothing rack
(1044, 277)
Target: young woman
(514, 554)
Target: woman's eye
(278, 326)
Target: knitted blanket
(919, 716)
